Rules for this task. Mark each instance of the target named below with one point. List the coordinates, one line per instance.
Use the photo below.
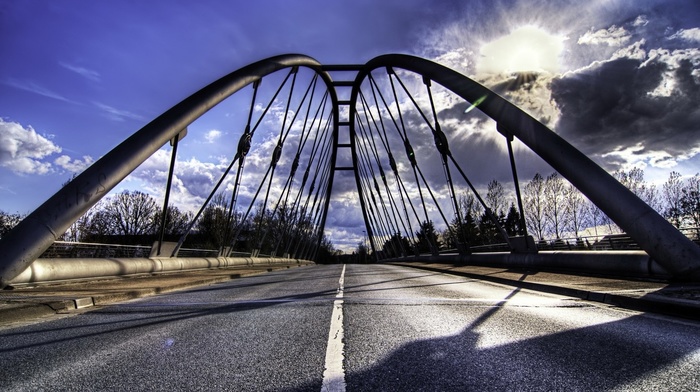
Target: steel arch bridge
(321, 135)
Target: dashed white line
(334, 374)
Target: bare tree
(533, 198)
(94, 225)
(554, 208)
(672, 195)
(690, 202)
(469, 207)
(594, 216)
(8, 222)
(575, 209)
(81, 228)
(176, 221)
(212, 224)
(634, 181)
(496, 198)
(132, 213)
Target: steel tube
(655, 235)
(28, 240)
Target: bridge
(390, 136)
(396, 127)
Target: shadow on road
(600, 357)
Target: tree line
(134, 218)
(553, 209)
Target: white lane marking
(334, 374)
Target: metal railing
(605, 242)
(63, 249)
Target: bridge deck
(27, 302)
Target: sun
(526, 49)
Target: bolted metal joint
(276, 154)
(244, 143)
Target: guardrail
(606, 242)
(90, 250)
(85, 250)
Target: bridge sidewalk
(26, 302)
(675, 298)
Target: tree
(488, 232)
(176, 221)
(497, 202)
(512, 223)
(554, 203)
(212, 223)
(326, 252)
(427, 238)
(634, 181)
(690, 202)
(396, 246)
(533, 198)
(672, 195)
(8, 222)
(82, 229)
(132, 213)
(362, 251)
(464, 229)
(496, 198)
(575, 208)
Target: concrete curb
(650, 302)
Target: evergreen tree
(427, 238)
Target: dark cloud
(612, 105)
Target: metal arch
(34, 234)
(670, 248)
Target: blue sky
(618, 79)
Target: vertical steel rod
(164, 215)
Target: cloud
(619, 112)
(641, 21)
(635, 51)
(84, 72)
(212, 136)
(36, 89)
(118, 114)
(457, 59)
(612, 36)
(691, 35)
(73, 165)
(22, 149)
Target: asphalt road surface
(354, 328)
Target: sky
(620, 80)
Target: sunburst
(525, 50)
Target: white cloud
(84, 72)
(192, 181)
(687, 34)
(117, 114)
(612, 36)
(36, 89)
(212, 136)
(634, 51)
(73, 165)
(641, 21)
(22, 149)
(457, 59)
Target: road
(370, 327)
